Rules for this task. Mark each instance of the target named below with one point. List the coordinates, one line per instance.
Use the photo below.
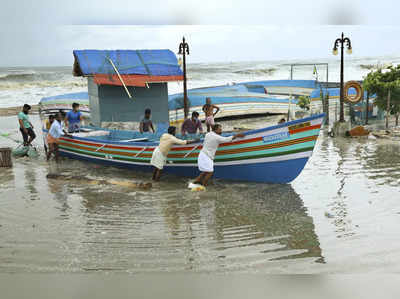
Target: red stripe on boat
(305, 129)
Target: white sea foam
(28, 85)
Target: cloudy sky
(43, 33)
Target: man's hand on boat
(67, 135)
(239, 135)
(193, 141)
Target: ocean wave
(9, 85)
(11, 74)
(368, 66)
(266, 71)
(209, 69)
(32, 77)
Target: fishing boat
(63, 102)
(240, 99)
(275, 154)
(244, 98)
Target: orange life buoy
(353, 99)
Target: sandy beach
(15, 110)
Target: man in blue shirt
(25, 126)
(73, 119)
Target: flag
(315, 73)
(315, 70)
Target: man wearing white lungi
(160, 153)
(206, 157)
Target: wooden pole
(120, 78)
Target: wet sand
(341, 215)
(10, 111)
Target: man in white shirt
(206, 157)
(53, 137)
(160, 153)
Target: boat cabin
(123, 83)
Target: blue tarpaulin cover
(128, 62)
(69, 97)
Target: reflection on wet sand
(378, 161)
(241, 225)
(231, 227)
(7, 177)
(338, 206)
(60, 192)
(271, 215)
(381, 162)
(30, 181)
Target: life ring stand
(359, 92)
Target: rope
(141, 59)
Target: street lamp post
(183, 50)
(342, 40)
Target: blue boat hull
(279, 172)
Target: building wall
(94, 102)
(112, 103)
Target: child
(146, 124)
(208, 110)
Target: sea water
(19, 85)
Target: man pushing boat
(206, 157)
(160, 153)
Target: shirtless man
(208, 110)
